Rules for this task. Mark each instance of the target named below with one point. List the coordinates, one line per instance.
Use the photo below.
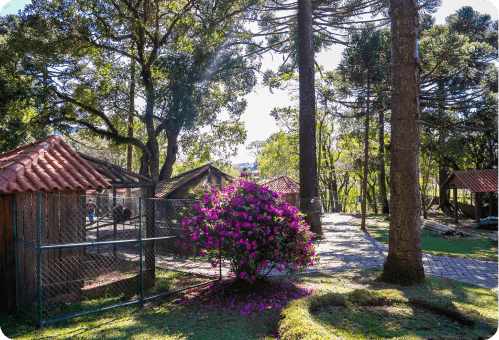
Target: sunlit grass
(476, 247)
(349, 305)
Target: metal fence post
(220, 257)
(39, 251)
(140, 254)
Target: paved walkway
(347, 247)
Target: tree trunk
(152, 142)
(375, 204)
(337, 206)
(129, 156)
(404, 264)
(308, 158)
(444, 193)
(385, 208)
(366, 158)
(171, 157)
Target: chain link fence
(78, 254)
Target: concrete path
(347, 247)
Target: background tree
(88, 83)
(363, 70)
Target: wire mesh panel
(78, 254)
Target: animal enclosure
(69, 263)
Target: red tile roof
(48, 164)
(283, 185)
(475, 180)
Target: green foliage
(279, 156)
(459, 91)
(186, 58)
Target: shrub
(254, 228)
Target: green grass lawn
(349, 305)
(476, 248)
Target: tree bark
(385, 209)
(444, 193)
(366, 158)
(152, 142)
(129, 156)
(404, 264)
(309, 193)
(171, 157)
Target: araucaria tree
(404, 264)
(309, 191)
(364, 74)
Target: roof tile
(284, 185)
(48, 164)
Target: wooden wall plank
(50, 241)
(44, 239)
(30, 254)
(20, 249)
(63, 239)
(71, 229)
(3, 261)
(82, 234)
(57, 265)
(10, 255)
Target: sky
(259, 124)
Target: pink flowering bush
(255, 229)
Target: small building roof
(48, 164)
(283, 185)
(117, 176)
(473, 180)
(165, 188)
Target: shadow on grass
(440, 308)
(156, 321)
(230, 310)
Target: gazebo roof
(48, 164)
(473, 180)
(283, 185)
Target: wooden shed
(42, 188)
(288, 187)
(178, 202)
(179, 187)
(476, 181)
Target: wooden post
(455, 205)
(150, 248)
(477, 206)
